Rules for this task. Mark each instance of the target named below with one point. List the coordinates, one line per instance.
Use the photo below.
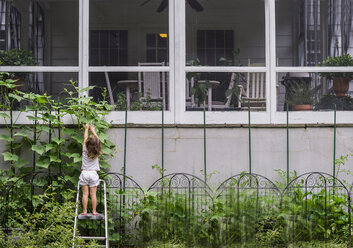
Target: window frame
(177, 70)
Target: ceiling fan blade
(195, 5)
(145, 2)
(162, 6)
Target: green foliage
(17, 57)
(300, 94)
(141, 104)
(270, 231)
(329, 102)
(198, 90)
(49, 225)
(239, 77)
(344, 60)
(51, 151)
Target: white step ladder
(92, 217)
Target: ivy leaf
(41, 100)
(17, 97)
(8, 156)
(70, 131)
(44, 128)
(43, 162)
(103, 136)
(103, 164)
(22, 134)
(31, 108)
(33, 118)
(106, 150)
(73, 155)
(58, 141)
(48, 147)
(77, 138)
(6, 137)
(39, 149)
(20, 163)
(54, 158)
(76, 160)
(4, 115)
(71, 179)
(76, 156)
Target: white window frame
(177, 70)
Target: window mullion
(84, 43)
(270, 26)
(179, 58)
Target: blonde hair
(93, 145)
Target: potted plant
(340, 79)
(328, 102)
(17, 57)
(300, 97)
(197, 90)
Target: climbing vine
(51, 138)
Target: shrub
(49, 225)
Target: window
(212, 45)
(36, 43)
(108, 48)
(157, 47)
(221, 43)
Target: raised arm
(85, 136)
(93, 131)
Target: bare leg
(93, 191)
(84, 198)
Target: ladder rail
(76, 213)
(105, 214)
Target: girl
(90, 165)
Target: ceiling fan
(193, 4)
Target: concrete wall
(311, 149)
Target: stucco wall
(311, 149)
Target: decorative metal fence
(246, 200)
(317, 206)
(243, 211)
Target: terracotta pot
(302, 107)
(341, 85)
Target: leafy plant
(270, 231)
(329, 101)
(49, 225)
(55, 147)
(198, 90)
(300, 94)
(237, 78)
(344, 60)
(17, 57)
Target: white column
(179, 58)
(83, 43)
(171, 57)
(271, 89)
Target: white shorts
(89, 178)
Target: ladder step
(92, 237)
(90, 246)
(90, 217)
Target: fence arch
(179, 202)
(316, 206)
(245, 201)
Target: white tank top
(88, 163)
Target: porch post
(83, 42)
(179, 77)
(270, 34)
